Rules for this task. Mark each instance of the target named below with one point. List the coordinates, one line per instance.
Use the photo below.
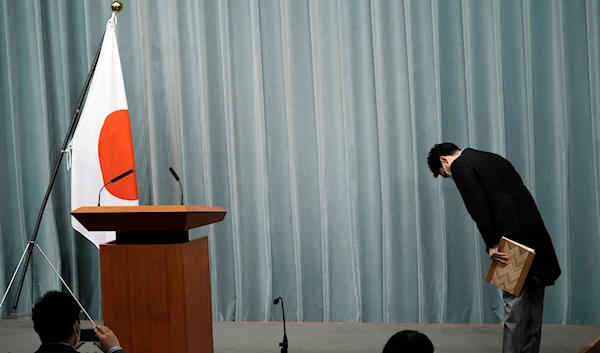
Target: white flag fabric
(102, 147)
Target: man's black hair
(437, 151)
(408, 341)
(54, 316)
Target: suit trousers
(523, 319)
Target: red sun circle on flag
(115, 151)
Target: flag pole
(116, 6)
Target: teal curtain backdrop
(310, 122)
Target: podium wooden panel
(155, 282)
(593, 347)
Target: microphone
(114, 180)
(284, 344)
(177, 178)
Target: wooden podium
(593, 347)
(155, 282)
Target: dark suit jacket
(501, 205)
(59, 348)
(55, 348)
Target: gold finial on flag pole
(116, 6)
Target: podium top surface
(147, 218)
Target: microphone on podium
(284, 344)
(177, 178)
(114, 180)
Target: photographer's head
(408, 341)
(56, 318)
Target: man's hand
(496, 255)
(106, 338)
(78, 345)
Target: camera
(88, 335)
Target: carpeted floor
(17, 336)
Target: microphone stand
(113, 180)
(100, 192)
(32, 242)
(284, 343)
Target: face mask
(77, 331)
(446, 170)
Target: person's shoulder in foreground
(56, 321)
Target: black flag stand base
(12, 279)
(32, 243)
